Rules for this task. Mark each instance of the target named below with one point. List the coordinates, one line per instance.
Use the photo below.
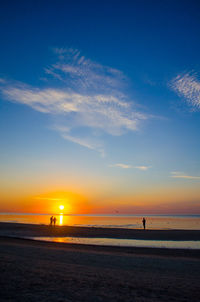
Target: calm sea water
(189, 222)
(124, 242)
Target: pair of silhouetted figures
(144, 223)
(53, 220)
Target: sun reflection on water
(115, 221)
(61, 219)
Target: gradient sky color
(100, 106)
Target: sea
(157, 222)
(153, 222)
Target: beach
(46, 271)
(35, 230)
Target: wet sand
(42, 271)
(32, 230)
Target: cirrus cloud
(177, 174)
(86, 94)
(188, 86)
(125, 166)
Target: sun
(61, 207)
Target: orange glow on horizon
(59, 202)
(162, 200)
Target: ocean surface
(163, 222)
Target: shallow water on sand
(124, 242)
(189, 222)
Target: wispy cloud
(177, 174)
(78, 72)
(143, 168)
(87, 95)
(125, 166)
(188, 86)
(86, 141)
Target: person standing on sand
(144, 223)
(51, 220)
(54, 221)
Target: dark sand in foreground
(41, 271)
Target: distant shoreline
(105, 215)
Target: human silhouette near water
(53, 220)
(144, 223)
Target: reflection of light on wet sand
(59, 240)
(61, 219)
(124, 242)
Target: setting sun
(61, 207)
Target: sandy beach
(42, 271)
(34, 230)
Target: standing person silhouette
(144, 223)
(54, 221)
(51, 220)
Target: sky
(100, 106)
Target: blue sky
(101, 97)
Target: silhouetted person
(51, 220)
(144, 223)
(54, 221)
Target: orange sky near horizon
(160, 201)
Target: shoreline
(34, 230)
(141, 251)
